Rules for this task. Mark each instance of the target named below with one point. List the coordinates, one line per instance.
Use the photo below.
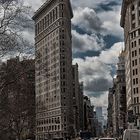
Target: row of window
(52, 86)
(49, 128)
(53, 15)
(135, 72)
(134, 43)
(136, 110)
(49, 121)
(48, 94)
(135, 81)
(134, 62)
(51, 37)
(48, 100)
(136, 100)
(48, 113)
(136, 90)
(43, 107)
(133, 15)
(41, 88)
(134, 53)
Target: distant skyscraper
(110, 112)
(99, 113)
(76, 97)
(54, 114)
(117, 100)
(130, 21)
(121, 92)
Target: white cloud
(85, 42)
(103, 22)
(90, 3)
(111, 56)
(101, 100)
(96, 72)
(86, 19)
(35, 4)
(111, 21)
(29, 36)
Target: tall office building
(130, 21)
(117, 101)
(121, 94)
(76, 98)
(99, 113)
(110, 112)
(54, 115)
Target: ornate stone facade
(54, 114)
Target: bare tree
(15, 87)
(14, 18)
(17, 99)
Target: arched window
(139, 3)
(132, 7)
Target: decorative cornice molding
(125, 4)
(46, 4)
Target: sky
(97, 42)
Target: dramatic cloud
(35, 4)
(91, 3)
(96, 72)
(103, 23)
(86, 19)
(94, 20)
(110, 56)
(85, 42)
(111, 22)
(100, 101)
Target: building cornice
(47, 4)
(41, 8)
(125, 3)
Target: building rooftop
(45, 5)
(123, 11)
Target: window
(133, 81)
(135, 61)
(136, 80)
(135, 43)
(134, 100)
(134, 33)
(132, 53)
(137, 90)
(132, 44)
(139, 41)
(133, 17)
(134, 90)
(138, 31)
(137, 99)
(131, 35)
(139, 4)
(132, 7)
(134, 110)
(133, 25)
(136, 71)
(135, 52)
(138, 111)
